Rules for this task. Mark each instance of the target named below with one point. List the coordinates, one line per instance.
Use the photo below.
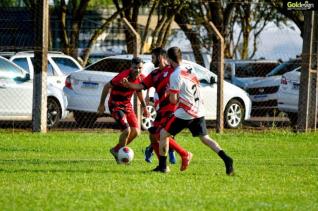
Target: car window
(50, 71)
(203, 74)
(110, 65)
(148, 68)
(8, 70)
(261, 69)
(66, 65)
(22, 62)
(285, 67)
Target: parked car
(243, 72)
(288, 94)
(16, 94)
(60, 65)
(83, 90)
(263, 91)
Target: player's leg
(163, 152)
(228, 161)
(121, 119)
(173, 127)
(198, 128)
(134, 127)
(173, 145)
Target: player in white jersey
(184, 91)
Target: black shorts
(196, 126)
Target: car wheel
(293, 117)
(147, 122)
(85, 119)
(234, 114)
(53, 113)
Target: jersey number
(195, 92)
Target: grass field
(275, 170)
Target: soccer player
(184, 92)
(119, 103)
(159, 79)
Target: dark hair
(136, 60)
(159, 52)
(174, 53)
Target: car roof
(145, 57)
(250, 61)
(32, 53)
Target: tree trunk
(192, 37)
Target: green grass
(275, 170)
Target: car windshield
(8, 70)
(110, 65)
(285, 67)
(117, 65)
(246, 70)
(66, 65)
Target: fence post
(135, 54)
(39, 107)
(307, 104)
(220, 80)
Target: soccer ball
(125, 155)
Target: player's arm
(173, 97)
(101, 107)
(174, 88)
(130, 85)
(143, 103)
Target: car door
(52, 77)
(208, 91)
(15, 92)
(62, 66)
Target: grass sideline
(275, 170)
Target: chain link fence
(271, 85)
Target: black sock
(223, 155)
(163, 162)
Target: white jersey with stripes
(186, 85)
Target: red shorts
(160, 121)
(125, 119)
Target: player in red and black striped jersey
(159, 79)
(119, 103)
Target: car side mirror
(27, 77)
(212, 80)
(23, 79)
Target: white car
(263, 91)
(16, 94)
(288, 94)
(83, 90)
(60, 66)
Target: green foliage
(275, 170)
(100, 3)
(8, 3)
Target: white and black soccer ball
(125, 155)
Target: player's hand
(145, 112)
(124, 82)
(101, 109)
(147, 100)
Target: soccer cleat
(115, 154)
(229, 166)
(172, 157)
(148, 154)
(186, 161)
(162, 170)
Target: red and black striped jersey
(159, 79)
(120, 96)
